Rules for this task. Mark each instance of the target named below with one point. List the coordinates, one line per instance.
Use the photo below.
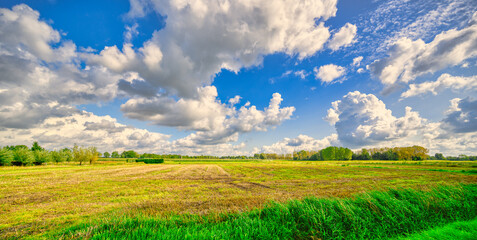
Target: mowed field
(40, 199)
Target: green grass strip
(464, 230)
(374, 215)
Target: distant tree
(328, 153)
(36, 147)
(92, 154)
(23, 157)
(41, 156)
(129, 154)
(19, 147)
(315, 156)
(67, 154)
(59, 156)
(365, 154)
(115, 154)
(106, 155)
(439, 156)
(6, 157)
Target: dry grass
(38, 199)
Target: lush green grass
(462, 230)
(374, 215)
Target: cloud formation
(215, 122)
(302, 142)
(461, 116)
(39, 81)
(408, 59)
(344, 37)
(329, 73)
(202, 37)
(362, 119)
(445, 81)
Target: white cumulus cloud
(344, 37)
(362, 119)
(329, 73)
(445, 81)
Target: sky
(220, 77)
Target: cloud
(215, 121)
(417, 19)
(43, 81)
(131, 32)
(357, 61)
(461, 116)
(86, 129)
(329, 73)
(201, 38)
(302, 142)
(409, 59)
(445, 81)
(362, 119)
(20, 26)
(302, 74)
(344, 37)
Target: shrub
(60, 156)
(41, 156)
(81, 154)
(6, 157)
(23, 156)
(153, 160)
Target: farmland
(40, 200)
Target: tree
(93, 154)
(129, 154)
(6, 157)
(106, 155)
(23, 157)
(439, 156)
(115, 154)
(68, 154)
(41, 156)
(36, 147)
(328, 153)
(19, 147)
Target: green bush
(61, 156)
(23, 157)
(6, 157)
(41, 156)
(152, 160)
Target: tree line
(21, 155)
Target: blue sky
(163, 76)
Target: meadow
(96, 201)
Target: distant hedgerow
(150, 160)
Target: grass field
(41, 200)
